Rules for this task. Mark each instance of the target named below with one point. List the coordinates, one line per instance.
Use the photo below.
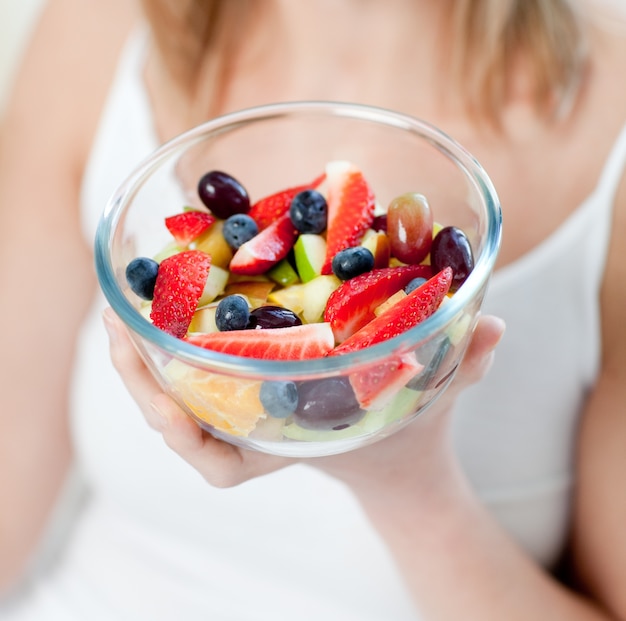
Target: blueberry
(414, 284)
(279, 398)
(308, 212)
(232, 313)
(223, 194)
(351, 262)
(238, 229)
(141, 274)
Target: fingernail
(110, 326)
(158, 420)
(501, 324)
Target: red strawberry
(179, 284)
(375, 387)
(186, 226)
(352, 305)
(264, 250)
(313, 340)
(272, 207)
(350, 208)
(405, 314)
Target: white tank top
(156, 542)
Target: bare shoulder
(610, 108)
(608, 50)
(600, 499)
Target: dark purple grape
(279, 398)
(141, 274)
(380, 223)
(264, 317)
(451, 248)
(352, 262)
(232, 313)
(327, 404)
(223, 194)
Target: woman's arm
(457, 560)
(46, 274)
(599, 542)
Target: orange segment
(229, 404)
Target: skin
(429, 508)
(43, 149)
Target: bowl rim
(315, 367)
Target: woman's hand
(224, 465)
(420, 455)
(220, 463)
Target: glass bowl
(278, 146)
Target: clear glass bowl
(277, 146)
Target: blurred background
(17, 18)
(16, 21)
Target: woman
(503, 502)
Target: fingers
(218, 462)
(136, 377)
(221, 464)
(477, 360)
(480, 352)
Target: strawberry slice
(350, 208)
(266, 249)
(352, 305)
(186, 226)
(376, 387)
(272, 207)
(405, 314)
(179, 284)
(312, 340)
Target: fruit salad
(312, 271)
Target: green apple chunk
(168, 251)
(308, 300)
(284, 274)
(404, 404)
(295, 432)
(316, 294)
(310, 253)
(215, 284)
(204, 320)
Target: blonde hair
(494, 35)
(198, 37)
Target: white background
(16, 20)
